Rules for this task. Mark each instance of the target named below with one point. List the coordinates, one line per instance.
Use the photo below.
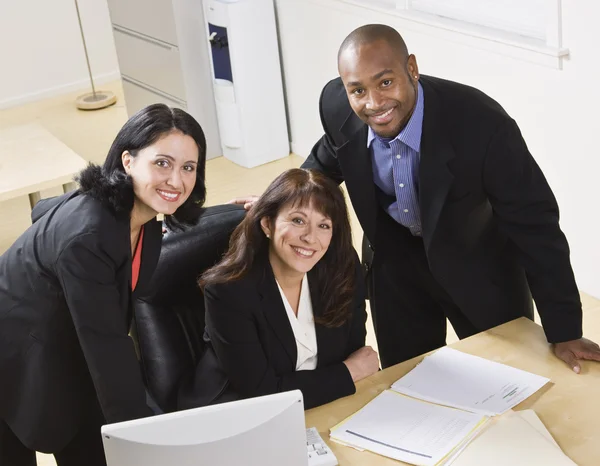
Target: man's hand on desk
(574, 350)
(247, 201)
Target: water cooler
(247, 82)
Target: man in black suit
(459, 220)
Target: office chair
(168, 323)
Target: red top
(137, 260)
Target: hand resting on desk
(574, 350)
(362, 363)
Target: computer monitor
(265, 431)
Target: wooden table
(31, 160)
(567, 406)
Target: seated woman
(67, 364)
(285, 308)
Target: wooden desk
(567, 406)
(32, 159)
(33, 164)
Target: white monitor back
(263, 431)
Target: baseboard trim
(59, 90)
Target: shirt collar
(411, 133)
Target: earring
(268, 236)
(416, 77)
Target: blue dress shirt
(396, 169)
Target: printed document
(409, 430)
(453, 378)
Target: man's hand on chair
(247, 201)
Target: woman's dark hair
(141, 130)
(335, 271)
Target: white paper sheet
(408, 430)
(452, 378)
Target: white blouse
(303, 327)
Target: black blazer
(65, 299)
(249, 330)
(490, 221)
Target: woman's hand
(362, 363)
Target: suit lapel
(328, 338)
(150, 254)
(275, 313)
(435, 178)
(317, 307)
(356, 165)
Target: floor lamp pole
(87, 58)
(94, 100)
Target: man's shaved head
(380, 77)
(373, 33)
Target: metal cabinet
(163, 58)
(153, 18)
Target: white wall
(557, 110)
(41, 50)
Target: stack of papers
(409, 430)
(431, 414)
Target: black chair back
(168, 324)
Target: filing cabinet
(162, 50)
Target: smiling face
(381, 84)
(299, 238)
(163, 174)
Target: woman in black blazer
(285, 308)
(67, 364)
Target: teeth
(304, 252)
(383, 115)
(169, 195)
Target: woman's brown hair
(335, 271)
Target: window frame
(549, 52)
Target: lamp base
(89, 101)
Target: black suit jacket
(490, 221)
(251, 335)
(65, 301)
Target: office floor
(91, 133)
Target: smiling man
(458, 216)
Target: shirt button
(405, 211)
(398, 156)
(401, 185)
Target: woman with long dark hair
(67, 364)
(285, 308)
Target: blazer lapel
(327, 337)
(356, 165)
(150, 254)
(302, 337)
(275, 312)
(435, 177)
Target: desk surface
(32, 159)
(566, 405)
